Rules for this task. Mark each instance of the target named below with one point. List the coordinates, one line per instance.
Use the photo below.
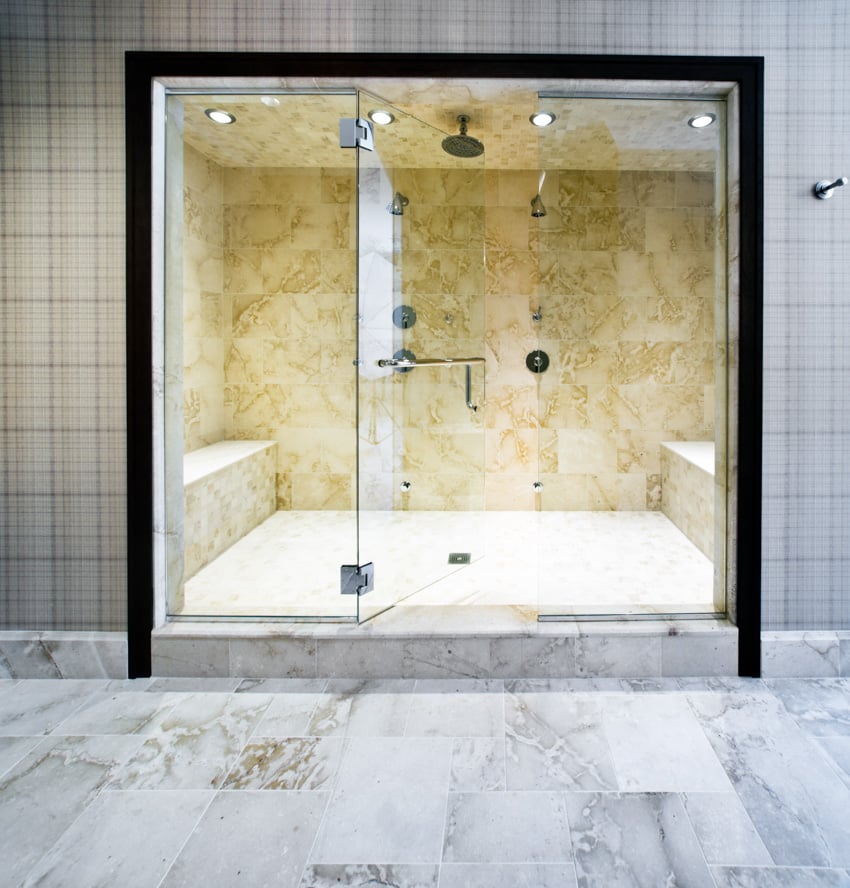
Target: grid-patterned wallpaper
(62, 465)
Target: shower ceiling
(590, 133)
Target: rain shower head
(462, 145)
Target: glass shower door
(259, 340)
(421, 371)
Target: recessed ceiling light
(271, 101)
(702, 120)
(381, 117)
(542, 118)
(219, 116)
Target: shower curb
(608, 649)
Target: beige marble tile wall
(441, 269)
(289, 284)
(622, 271)
(205, 332)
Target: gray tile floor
(483, 784)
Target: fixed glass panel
(632, 408)
(260, 342)
(422, 367)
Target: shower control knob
(538, 486)
(537, 361)
(404, 486)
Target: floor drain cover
(460, 557)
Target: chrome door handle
(427, 362)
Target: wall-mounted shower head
(463, 145)
(537, 208)
(396, 206)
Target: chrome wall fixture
(404, 361)
(824, 188)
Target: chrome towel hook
(824, 188)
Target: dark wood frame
(141, 68)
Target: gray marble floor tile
(820, 706)
(724, 830)
(371, 875)
(838, 750)
(507, 827)
(507, 875)
(788, 786)
(779, 877)
(478, 764)
(634, 839)
(250, 838)
(556, 741)
(37, 706)
(462, 708)
(657, 745)
(389, 802)
(118, 713)
(42, 795)
(13, 749)
(288, 715)
(122, 838)
(362, 708)
(194, 744)
(305, 763)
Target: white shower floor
(551, 562)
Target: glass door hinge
(354, 580)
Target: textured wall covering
(62, 509)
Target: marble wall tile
(634, 657)
(273, 657)
(790, 653)
(699, 655)
(360, 658)
(63, 655)
(202, 657)
(259, 838)
(446, 658)
(621, 268)
(687, 498)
